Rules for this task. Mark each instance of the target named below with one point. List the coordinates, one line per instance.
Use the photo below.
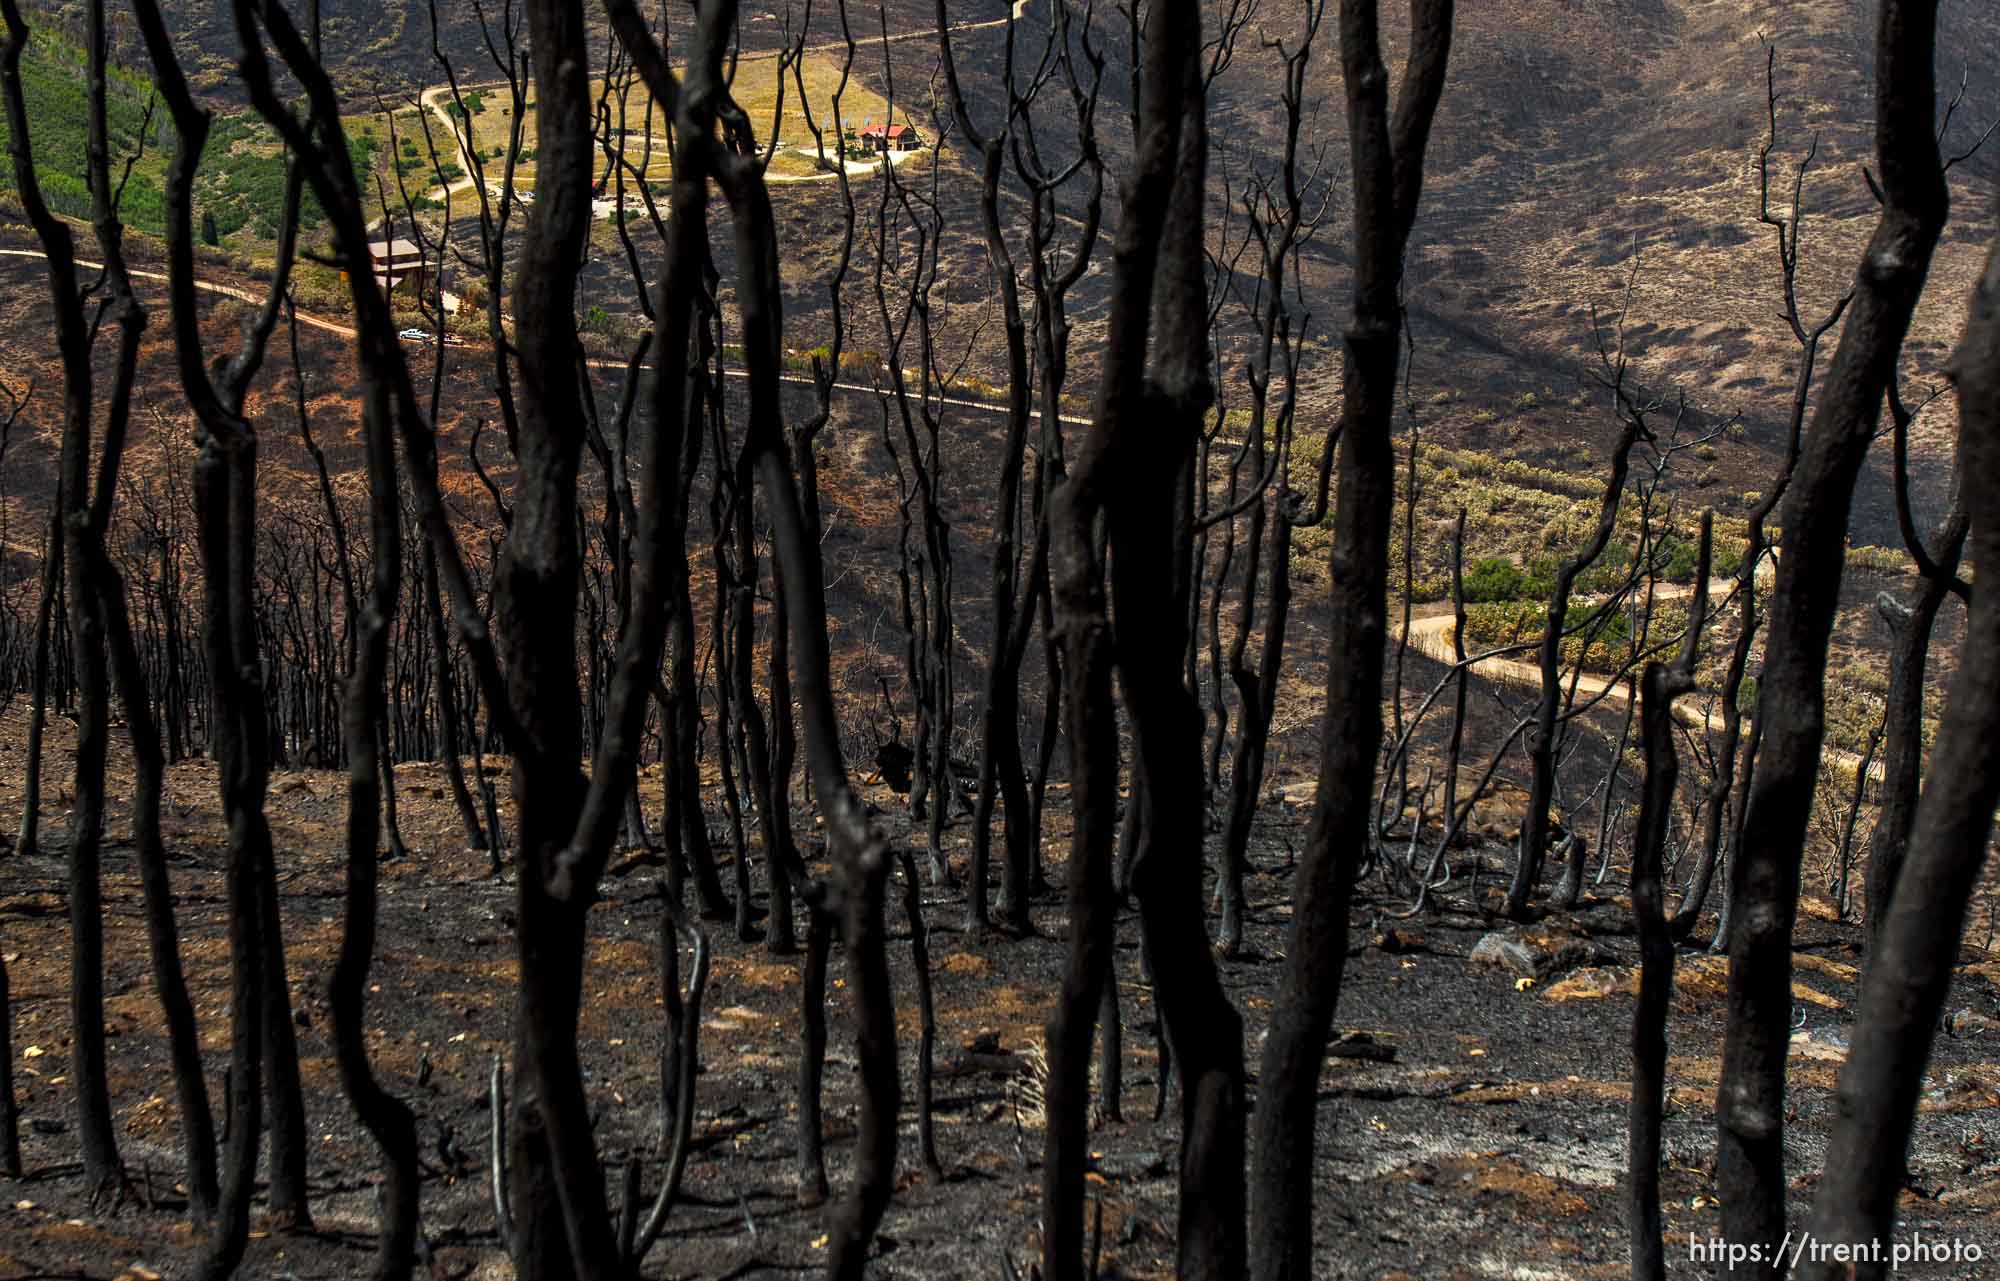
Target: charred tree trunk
(321, 154)
(1764, 882)
(558, 1195)
(1277, 218)
(10, 1110)
(96, 1133)
(812, 1188)
(1661, 685)
(1139, 489)
(226, 503)
(1148, 529)
(1000, 765)
(1721, 802)
(920, 962)
(1460, 678)
(1910, 966)
(454, 767)
(860, 854)
(1909, 655)
(1535, 822)
(780, 854)
(27, 838)
(1387, 157)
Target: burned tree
(225, 489)
(1910, 625)
(102, 639)
(1279, 223)
(1000, 766)
(27, 836)
(1661, 685)
(1542, 740)
(1764, 881)
(1387, 159)
(1732, 754)
(1916, 947)
(1131, 471)
(907, 273)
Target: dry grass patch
(774, 106)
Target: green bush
(1522, 621)
(1679, 559)
(1726, 560)
(1679, 556)
(1605, 574)
(1494, 578)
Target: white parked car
(415, 335)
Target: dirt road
(1430, 635)
(344, 330)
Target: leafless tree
(99, 624)
(27, 836)
(861, 858)
(226, 502)
(1917, 943)
(1279, 222)
(1386, 158)
(1734, 759)
(1157, 295)
(1542, 733)
(1910, 625)
(1661, 685)
(1000, 767)
(1764, 880)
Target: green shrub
(1605, 574)
(242, 179)
(1679, 559)
(1679, 555)
(1521, 622)
(1726, 560)
(1494, 578)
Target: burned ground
(1489, 1144)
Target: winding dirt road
(1430, 632)
(311, 321)
(1430, 635)
(205, 286)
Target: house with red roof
(891, 138)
